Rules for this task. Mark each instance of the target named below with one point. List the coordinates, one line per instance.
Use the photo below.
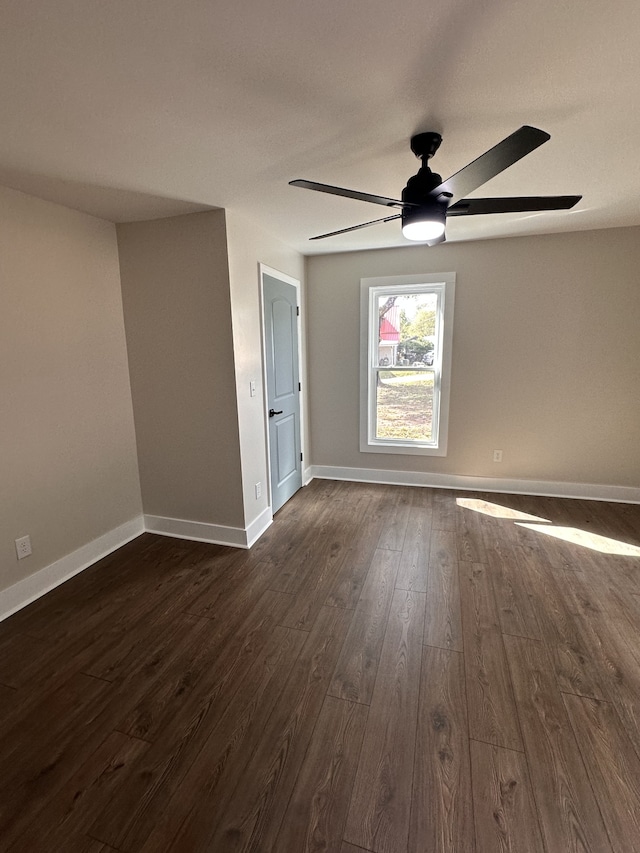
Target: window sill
(408, 449)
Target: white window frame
(443, 285)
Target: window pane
(404, 404)
(405, 361)
(406, 329)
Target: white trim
(36, 585)
(546, 488)
(257, 527)
(196, 531)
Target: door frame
(287, 279)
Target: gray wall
(68, 468)
(175, 287)
(546, 357)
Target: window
(406, 335)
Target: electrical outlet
(497, 456)
(23, 547)
(258, 490)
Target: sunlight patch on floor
(588, 540)
(573, 535)
(497, 510)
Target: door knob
(272, 412)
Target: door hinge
(299, 387)
(301, 457)
(297, 310)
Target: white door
(280, 304)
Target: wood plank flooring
(388, 670)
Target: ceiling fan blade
(441, 239)
(492, 162)
(521, 204)
(356, 227)
(327, 188)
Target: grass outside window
(404, 405)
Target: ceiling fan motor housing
(419, 188)
(421, 204)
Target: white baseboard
(30, 588)
(547, 488)
(196, 531)
(36, 585)
(39, 583)
(257, 527)
(215, 534)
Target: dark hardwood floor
(388, 669)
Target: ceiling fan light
(422, 230)
(423, 223)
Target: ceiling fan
(427, 200)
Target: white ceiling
(132, 109)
